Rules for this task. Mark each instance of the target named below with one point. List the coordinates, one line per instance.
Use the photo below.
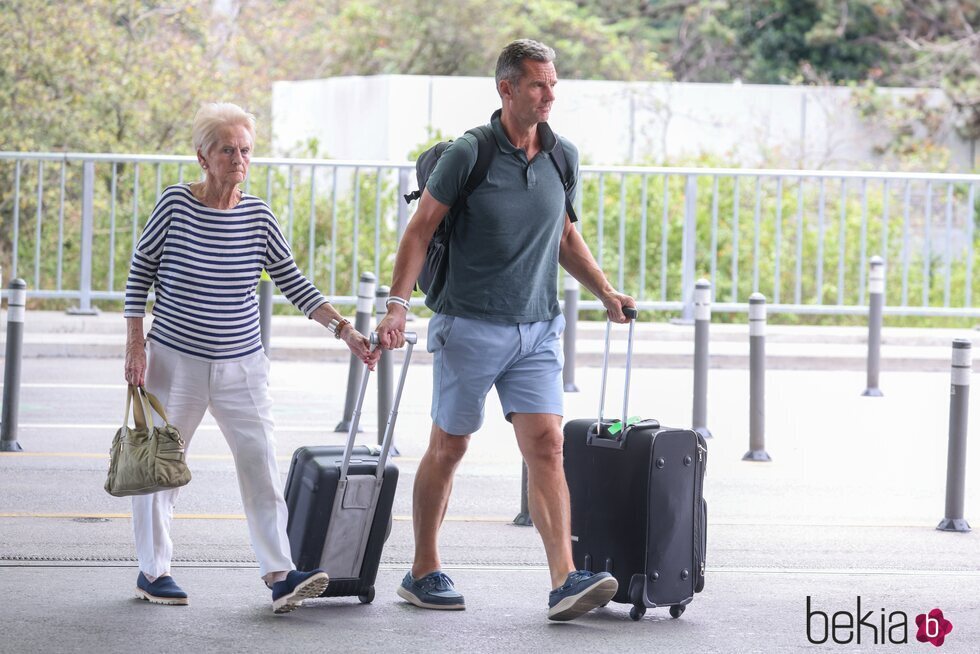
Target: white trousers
(237, 393)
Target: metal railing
(803, 238)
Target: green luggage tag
(617, 426)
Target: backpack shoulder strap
(558, 157)
(486, 148)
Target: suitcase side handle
(631, 313)
(411, 338)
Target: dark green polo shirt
(503, 256)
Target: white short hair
(212, 116)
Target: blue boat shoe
(433, 591)
(581, 592)
(162, 591)
(289, 593)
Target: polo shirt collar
(545, 135)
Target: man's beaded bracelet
(400, 301)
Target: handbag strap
(139, 415)
(155, 403)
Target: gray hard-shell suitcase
(636, 504)
(339, 500)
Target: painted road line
(111, 428)
(122, 387)
(504, 519)
(190, 457)
(217, 516)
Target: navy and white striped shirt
(205, 264)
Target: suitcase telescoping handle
(411, 338)
(631, 314)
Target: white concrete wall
(385, 117)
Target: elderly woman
(203, 249)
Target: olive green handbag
(145, 459)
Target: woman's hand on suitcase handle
(616, 303)
(360, 347)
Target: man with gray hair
(497, 321)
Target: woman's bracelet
(336, 327)
(400, 301)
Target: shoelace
(574, 578)
(439, 581)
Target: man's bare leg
(426, 585)
(540, 438)
(430, 497)
(574, 593)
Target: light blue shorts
(524, 361)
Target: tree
(103, 77)
(129, 75)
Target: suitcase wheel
(368, 597)
(676, 610)
(637, 611)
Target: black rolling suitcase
(636, 504)
(339, 500)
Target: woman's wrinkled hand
(135, 368)
(360, 347)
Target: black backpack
(436, 258)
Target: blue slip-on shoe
(162, 591)
(581, 592)
(289, 593)
(433, 591)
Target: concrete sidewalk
(658, 345)
(847, 509)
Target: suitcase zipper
(698, 510)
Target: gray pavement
(847, 508)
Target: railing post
(959, 408)
(689, 249)
(362, 323)
(403, 182)
(702, 321)
(84, 307)
(876, 289)
(571, 327)
(265, 311)
(385, 368)
(757, 379)
(523, 518)
(16, 301)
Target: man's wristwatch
(336, 327)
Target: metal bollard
(702, 320)
(16, 300)
(362, 323)
(265, 310)
(568, 340)
(523, 518)
(757, 379)
(385, 368)
(876, 288)
(959, 406)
